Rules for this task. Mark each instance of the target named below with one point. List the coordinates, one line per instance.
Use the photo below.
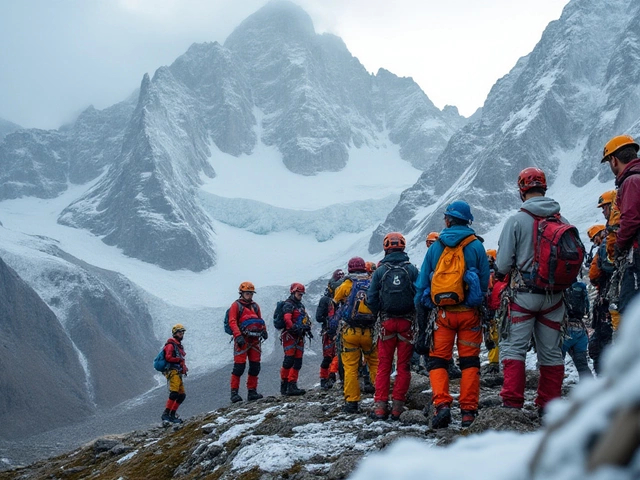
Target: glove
(489, 343)
(264, 335)
(240, 341)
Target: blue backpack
(250, 325)
(350, 311)
(160, 362)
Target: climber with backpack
(541, 254)
(249, 330)
(326, 316)
(576, 340)
(357, 332)
(453, 280)
(390, 297)
(291, 316)
(174, 369)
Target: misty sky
(59, 56)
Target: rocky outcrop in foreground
(295, 438)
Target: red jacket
(293, 310)
(628, 201)
(249, 310)
(174, 354)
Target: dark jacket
(628, 201)
(392, 258)
(324, 308)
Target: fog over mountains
(273, 157)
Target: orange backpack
(447, 282)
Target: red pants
(293, 351)
(465, 325)
(251, 350)
(395, 334)
(328, 355)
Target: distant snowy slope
(7, 127)
(554, 110)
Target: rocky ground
(276, 437)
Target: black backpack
(397, 290)
(576, 299)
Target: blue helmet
(459, 209)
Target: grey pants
(540, 316)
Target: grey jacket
(515, 246)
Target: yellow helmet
(606, 198)
(594, 230)
(178, 327)
(616, 143)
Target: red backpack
(558, 253)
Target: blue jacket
(474, 256)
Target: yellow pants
(494, 353)
(174, 381)
(357, 342)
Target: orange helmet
(246, 287)
(394, 241)
(296, 287)
(492, 253)
(615, 144)
(606, 198)
(432, 237)
(594, 230)
(370, 267)
(531, 177)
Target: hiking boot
(284, 385)
(380, 411)
(235, 396)
(325, 384)
(350, 407)
(332, 377)
(253, 395)
(294, 391)
(454, 371)
(442, 416)
(166, 418)
(175, 418)
(468, 417)
(397, 409)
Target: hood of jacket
(453, 235)
(542, 206)
(633, 167)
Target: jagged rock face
(41, 163)
(145, 205)
(318, 99)
(41, 377)
(7, 127)
(554, 110)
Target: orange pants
(465, 325)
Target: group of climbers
(522, 294)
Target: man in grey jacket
(534, 312)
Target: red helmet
(337, 275)
(296, 287)
(370, 267)
(394, 241)
(531, 177)
(357, 264)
